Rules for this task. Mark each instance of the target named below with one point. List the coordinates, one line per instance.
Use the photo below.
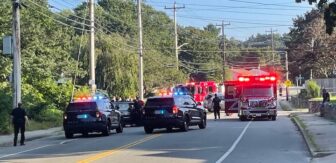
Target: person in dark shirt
(19, 119)
(326, 96)
(216, 106)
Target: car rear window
(160, 102)
(82, 106)
(124, 106)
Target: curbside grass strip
(309, 140)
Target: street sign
(7, 47)
(288, 83)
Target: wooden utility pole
(141, 86)
(92, 48)
(272, 38)
(223, 47)
(16, 54)
(175, 32)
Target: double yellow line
(112, 151)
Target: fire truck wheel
(242, 118)
(274, 118)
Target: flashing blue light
(175, 93)
(100, 97)
(95, 97)
(181, 93)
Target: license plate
(82, 116)
(159, 112)
(258, 115)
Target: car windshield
(258, 91)
(82, 106)
(160, 102)
(124, 106)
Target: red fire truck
(198, 90)
(252, 97)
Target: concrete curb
(304, 133)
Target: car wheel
(68, 134)
(85, 134)
(169, 129)
(120, 128)
(274, 118)
(203, 123)
(185, 125)
(148, 129)
(106, 131)
(242, 118)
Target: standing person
(216, 106)
(325, 101)
(19, 119)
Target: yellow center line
(112, 151)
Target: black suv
(130, 115)
(91, 115)
(173, 111)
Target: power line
(269, 4)
(80, 23)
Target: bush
(313, 89)
(5, 108)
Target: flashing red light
(272, 78)
(246, 79)
(262, 79)
(241, 79)
(175, 109)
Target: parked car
(91, 114)
(170, 112)
(207, 103)
(130, 115)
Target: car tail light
(175, 109)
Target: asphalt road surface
(226, 140)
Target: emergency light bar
(256, 78)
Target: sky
(246, 17)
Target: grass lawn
(34, 125)
(332, 99)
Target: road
(226, 140)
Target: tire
(185, 125)
(85, 134)
(68, 134)
(148, 129)
(203, 123)
(274, 118)
(242, 118)
(169, 129)
(106, 131)
(120, 128)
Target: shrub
(313, 89)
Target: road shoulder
(7, 140)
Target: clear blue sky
(246, 17)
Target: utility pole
(223, 47)
(286, 57)
(141, 86)
(287, 91)
(16, 54)
(175, 8)
(272, 38)
(92, 48)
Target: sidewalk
(319, 134)
(30, 135)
